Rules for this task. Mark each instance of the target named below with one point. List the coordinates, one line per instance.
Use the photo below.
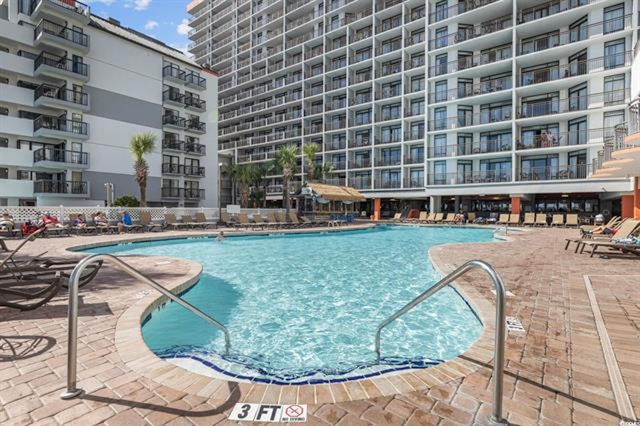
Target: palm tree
(320, 172)
(141, 145)
(286, 161)
(243, 175)
(259, 182)
(310, 150)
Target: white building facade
(483, 106)
(74, 90)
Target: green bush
(126, 201)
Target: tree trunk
(285, 194)
(143, 195)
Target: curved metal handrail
(498, 365)
(72, 343)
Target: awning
(332, 192)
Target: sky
(165, 20)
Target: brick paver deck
(555, 371)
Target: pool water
(304, 308)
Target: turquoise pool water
(305, 308)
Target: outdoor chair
(529, 219)
(541, 219)
(147, 223)
(201, 218)
(572, 220)
(170, 221)
(503, 220)
(514, 219)
(557, 220)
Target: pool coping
(134, 352)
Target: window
(417, 84)
(613, 19)
(577, 65)
(494, 142)
(611, 120)
(441, 91)
(4, 143)
(440, 118)
(544, 167)
(441, 11)
(439, 172)
(363, 138)
(440, 146)
(579, 30)
(465, 87)
(578, 99)
(614, 89)
(4, 173)
(23, 175)
(539, 136)
(390, 112)
(416, 154)
(541, 42)
(391, 134)
(465, 115)
(390, 178)
(493, 113)
(417, 60)
(417, 131)
(441, 37)
(534, 106)
(417, 107)
(363, 54)
(416, 178)
(363, 117)
(441, 64)
(391, 157)
(465, 171)
(614, 54)
(495, 170)
(577, 165)
(4, 110)
(578, 133)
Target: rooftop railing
(63, 32)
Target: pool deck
(577, 359)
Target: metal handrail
(498, 364)
(72, 344)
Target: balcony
(549, 8)
(194, 103)
(193, 171)
(60, 67)
(467, 62)
(549, 41)
(472, 148)
(387, 161)
(60, 98)
(479, 30)
(171, 169)
(414, 159)
(193, 148)
(173, 121)
(544, 107)
(467, 120)
(414, 182)
(442, 13)
(187, 193)
(360, 163)
(66, 9)
(60, 128)
(48, 33)
(60, 159)
(570, 172)
(61, 188)
(574, 69)
(360, 182)
(388, 184)
(483, 88)
(489, 176)
(194, 81)
(172, 145)
(173, 97)
(173, 73)
(553, 140)
(193, 194)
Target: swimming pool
(304, 308)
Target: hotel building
(485, 106)
(75, 88)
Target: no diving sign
(271, 413)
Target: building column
(636, 197)
(377, 204)
(515, 205)
(626, 206)
(456, 203)
(435, 204)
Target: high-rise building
(485, 106)
(75, 88)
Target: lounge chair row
(622, 236)
(530, 219)
(273, 221)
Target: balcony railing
(488, 176)
(415, 182)
(543, 75)
(193, 171)
(442, 13)
(553, 139)
(360, 163)
(195, 148)
(471, 148)
(470, 120)
(60, 187)
(66, 95)
(173, 120)
(414, 159)
(65, 33)
(548, 41)
(194, 102)
(360, 182)
(61, 63)
(388, 184)
(74, 6)
(466, 34)
(61, 125)
(575, 171)
(58, 155)
(482, 88)
(196, 125)
(173, 71)
(467, 62)
(395, 160)
(172, 145)
(576, 103)
(550, 8)
(173, 95)
(190, 193)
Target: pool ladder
(72, 390)
(498, 361)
